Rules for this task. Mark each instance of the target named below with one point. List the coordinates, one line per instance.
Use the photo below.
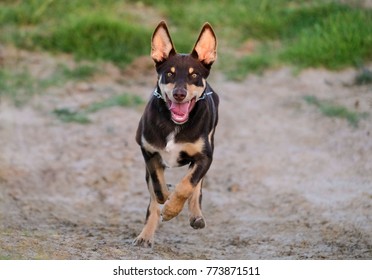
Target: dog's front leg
(185, 189)
(196, 217)
(158, 195)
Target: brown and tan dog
(177, 128)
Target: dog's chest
(171, 153)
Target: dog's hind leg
(196, 217)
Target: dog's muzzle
(180, 110)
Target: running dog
(177, 128)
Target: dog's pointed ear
(205, 48)
(161, 44)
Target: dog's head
(182, 77)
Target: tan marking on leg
(196, 217)
(184, 189)
(178, 197)
(155, 165)
(163, 185)
(146, 237)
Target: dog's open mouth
(180, 111)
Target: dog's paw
(142, 242)
(170, 210)
(197, 222)
(168, 214)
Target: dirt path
(286, 181)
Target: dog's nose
(179, 94)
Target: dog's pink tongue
(180, 108)
(179, 111)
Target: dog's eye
(194, 75)
(170, 74)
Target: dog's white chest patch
(171, 153)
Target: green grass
(80, 72)
(33, 12)
(68, 115)
(88, 29)
(256, 63)
(341, 39)
(326, 35)
(19, 86)
(96, 37)
(311, 33)
(123, 100)
(304, 33)
(329, 109)
(82, 116)
(364, 77)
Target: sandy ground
(286, 181)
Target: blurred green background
(253, 34)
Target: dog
(177, 128)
